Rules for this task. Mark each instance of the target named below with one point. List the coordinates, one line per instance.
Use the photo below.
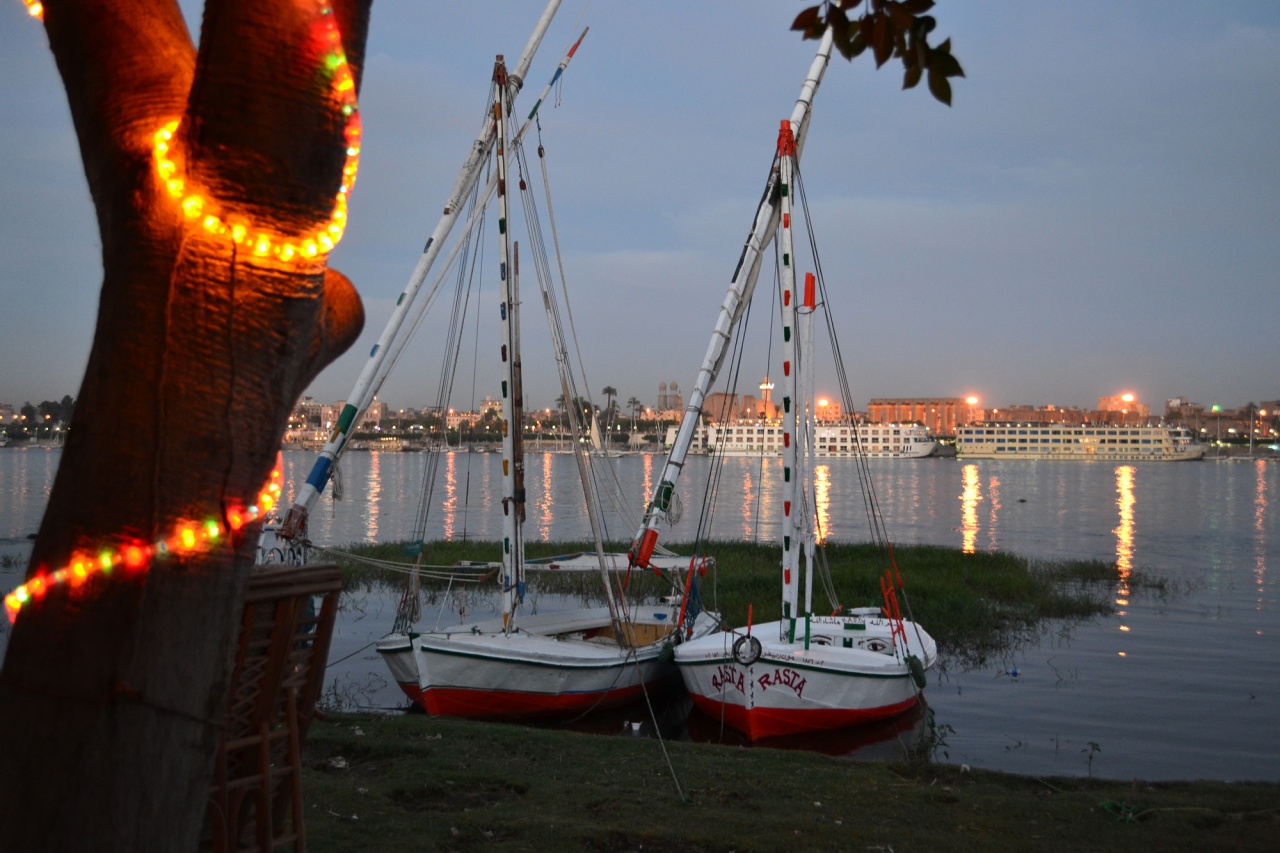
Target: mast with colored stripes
(741, 287)
(387, 347)
(509, 343)
(792, 402)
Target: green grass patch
(419, 783)
(975, 605)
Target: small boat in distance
(1100, 443)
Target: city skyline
(1093, 216)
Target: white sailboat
(520, 664)
(805, 671)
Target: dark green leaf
(881, 39)
(898, 15)
(939, 87)
(941, 59)
(844, 41)
(806, 21)
(839, 23)
(912, 77)
(856, 45)
(949, 65)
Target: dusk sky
(1097, 212)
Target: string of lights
(262, 241)
(186, 538)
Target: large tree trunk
(112, 694)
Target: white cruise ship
(764, 438)
(1062, 441)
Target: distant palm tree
(609, 393)
(636, 407)
(560, 408)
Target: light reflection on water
(449, 506)
(1201, 652)
(969, 509)
(1124, 539)
(1260, 527)
(822, 501)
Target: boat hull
(789, 689)
(552, 665)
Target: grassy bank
(974, 605)
(417, 783)
(413, 782)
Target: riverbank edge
(375, 781)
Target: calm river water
(1173, 686)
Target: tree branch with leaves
(891, 29)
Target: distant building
(373, 415)
(1047, 414)
(669, 397)
(938, 414)
(720, 407)
(307, 425)
(1127, 406)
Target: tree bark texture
(112, 695)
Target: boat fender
(746, 650)
(916, 667)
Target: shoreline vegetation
(976, 605)
(385, 781)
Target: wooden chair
(255, 802)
